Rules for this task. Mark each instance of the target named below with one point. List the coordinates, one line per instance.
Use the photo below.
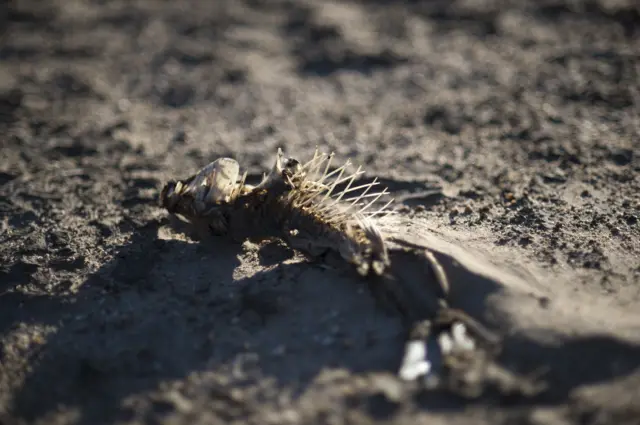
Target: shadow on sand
(166, 309)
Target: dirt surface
(512, 125)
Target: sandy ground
(510, 126)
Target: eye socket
(292, 163)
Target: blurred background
(408, 87)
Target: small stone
(179, 137)
(544, 302)
(124, 105)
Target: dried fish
(319, 209)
